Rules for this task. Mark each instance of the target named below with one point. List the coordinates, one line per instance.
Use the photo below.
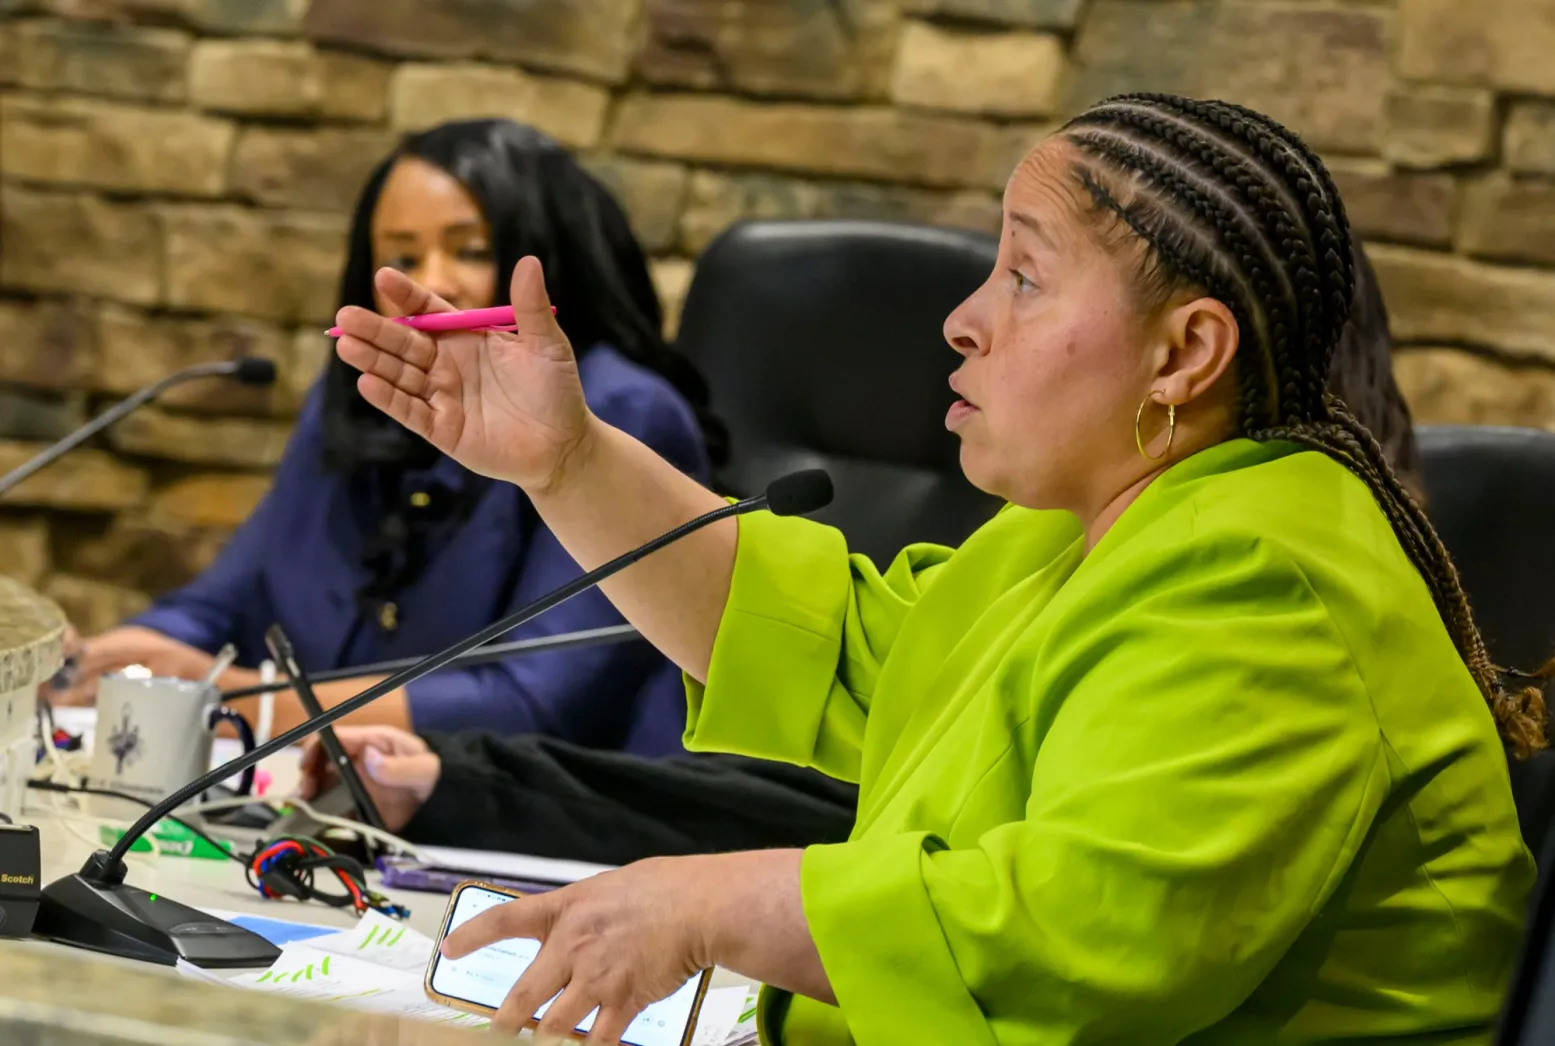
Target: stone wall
(175, 177)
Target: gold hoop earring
(1171, 429)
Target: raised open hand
(508, 406)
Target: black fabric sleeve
(535, 795)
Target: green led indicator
(153, 897)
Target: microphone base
(131, 923)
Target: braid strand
(1233, 204)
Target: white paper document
(306, 972)
(508, 866)
(379, 965)
(720, 1017)
(382, 941)
(194, 973)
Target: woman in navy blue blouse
(372, 545)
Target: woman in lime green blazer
(1195, 742)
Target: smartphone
(480, 981)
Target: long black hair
(537, 200)
(1215, 198)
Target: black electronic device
(21, 879)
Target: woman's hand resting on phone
(624, 939)
(397, 767)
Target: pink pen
(497, 318)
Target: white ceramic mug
(154, 735)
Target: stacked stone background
(175, 178)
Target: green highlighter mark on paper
(378, 965)
(387, 939)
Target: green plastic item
(172, 839)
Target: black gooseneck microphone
(250, 370)
(95, 909)
(286, 656)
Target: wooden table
(53, 997)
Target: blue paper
(280, 932)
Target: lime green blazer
(1222, 779)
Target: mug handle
(245, 735)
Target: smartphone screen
(484, 978)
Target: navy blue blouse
(298, 560)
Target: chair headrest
(822, 344)
(827, 334)
(1491, 498)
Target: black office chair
(1528, 1017)
(1491, 497)
(822, 344)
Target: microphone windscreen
(254, 370)
(799, 493)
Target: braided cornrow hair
(1229, 203)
